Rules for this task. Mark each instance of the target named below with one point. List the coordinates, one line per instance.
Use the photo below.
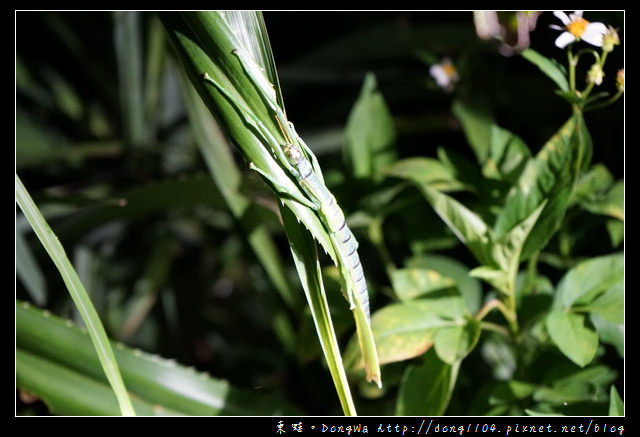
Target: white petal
(593, 34)
(578, 13)
(562, 17)
(564, 40)
(438, 73)
(597, 27)
(556, 27)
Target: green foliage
(490, 217)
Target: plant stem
(608, 102)
(506, 312)
(377, 238)
(572, 62)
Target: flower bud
(610, 40)
(620, 80)
(595, 74)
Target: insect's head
(292, 153)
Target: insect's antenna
(284, 131)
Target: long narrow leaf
(227, 177)
(303, 249)
(78, 294)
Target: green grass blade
(303, 249)
(206, 44)
(228, 179)
(252, 31)
(154, 71)
(78, 294)
(129, 59)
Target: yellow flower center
(449, 69)
(577, 26)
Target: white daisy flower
(577, 28)
(445, 74)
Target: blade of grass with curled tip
(206, 44)
(78, 294)
(250, 28)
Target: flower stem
(572, 62)
(608, 102)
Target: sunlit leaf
(370, 133)
(455, 343)
(425, 388)
(616, 406)
(584, 282)
(574, 339)
(549, 67)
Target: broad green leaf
(609, 305)
(587, 280)
(370, 134)
(549, 67)
(610, 333)
(161, 386)
(615, 228)
(499, 257)
(425, 388)
(508, 155)
(588, 384)
(425, 171)
(469, 287)
(549, 176)
(616, 406)
(509, 391)
(592, 183)
(406, 330)
(504, 255)
(476, 121)
(468, 226)
(611, 204)
(467, 173)
(575, 340)
(410, 284)
(455, 343)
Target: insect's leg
(254, 121)
(259, 79)
(314, 161)
(282, 189)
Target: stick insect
(296, 157)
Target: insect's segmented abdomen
(345, 242)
